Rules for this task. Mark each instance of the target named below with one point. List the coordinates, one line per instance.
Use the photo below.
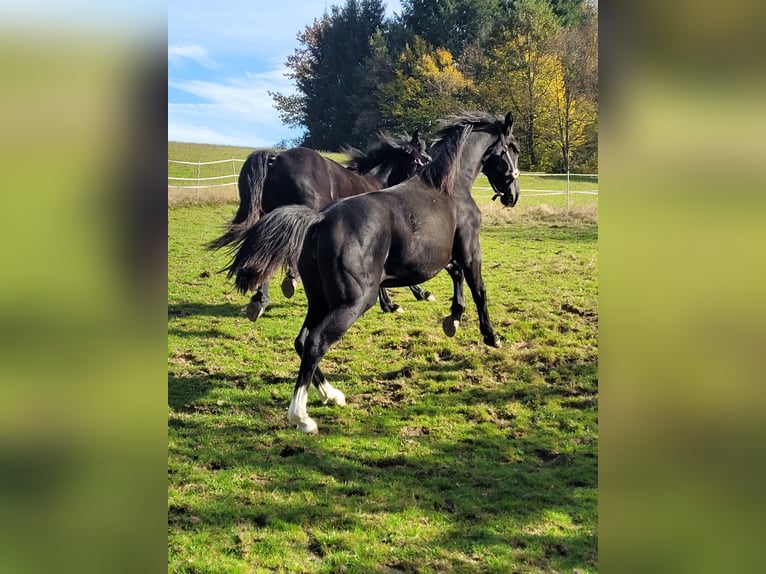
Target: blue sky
(224, 57)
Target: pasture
(451, 456)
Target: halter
(421, 159)
(513, 168)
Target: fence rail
(235, 175)
(231, 176)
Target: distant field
(532, 203)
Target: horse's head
(416, 148)
(389, 160)
(501, 164)
(406, 156)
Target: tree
(450, 24)
(379, 69)
(426, 87)
(328, 69)
(576, 90)
(569, 12)
(520, 73)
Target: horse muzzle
(510, 194)
(509, 199)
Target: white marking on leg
(330, 394)
(297, 413)
(430, 297)
(450, 326)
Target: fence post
(567, 190)
(234, 175)
(199, 164)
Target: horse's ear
(509, 122)
(416, 141)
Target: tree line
(357, 72)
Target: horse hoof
(254, 310)
(494, 341)
(308, 426)
(430, 297)
(450, 326)
(398, 309)
(339, 400)
(288, 287)
(333, 396)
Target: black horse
(397, 237)
(301, 176)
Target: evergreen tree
(451, 24)
(328, 69)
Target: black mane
(377, 154)
(447, 142)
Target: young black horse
(301, 176)
(397, 237)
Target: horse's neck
(470, 165)
(355, 183)
(378, 176)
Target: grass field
(450, 456)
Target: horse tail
(251, 180)
(263, 247)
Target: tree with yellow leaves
(426, 86)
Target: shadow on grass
(497, 490)
(184, 391)
(275, 311)
(218, 310)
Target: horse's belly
(406, 280)
(402, 271)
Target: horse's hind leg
(258, 303)
(290, 282)
(386, 305)
(315, 345)
(389, 307)
(421, 294)
(328, 393)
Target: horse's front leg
(471, 264)
(258, 303)
(452, 321)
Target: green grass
(450, 456)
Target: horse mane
(447, 145)
(377, 154)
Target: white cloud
(177, 53)
(238, 111)
(246, 97)
(181, 132)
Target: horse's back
(294, 178)
(302, 176)
(402, 236)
